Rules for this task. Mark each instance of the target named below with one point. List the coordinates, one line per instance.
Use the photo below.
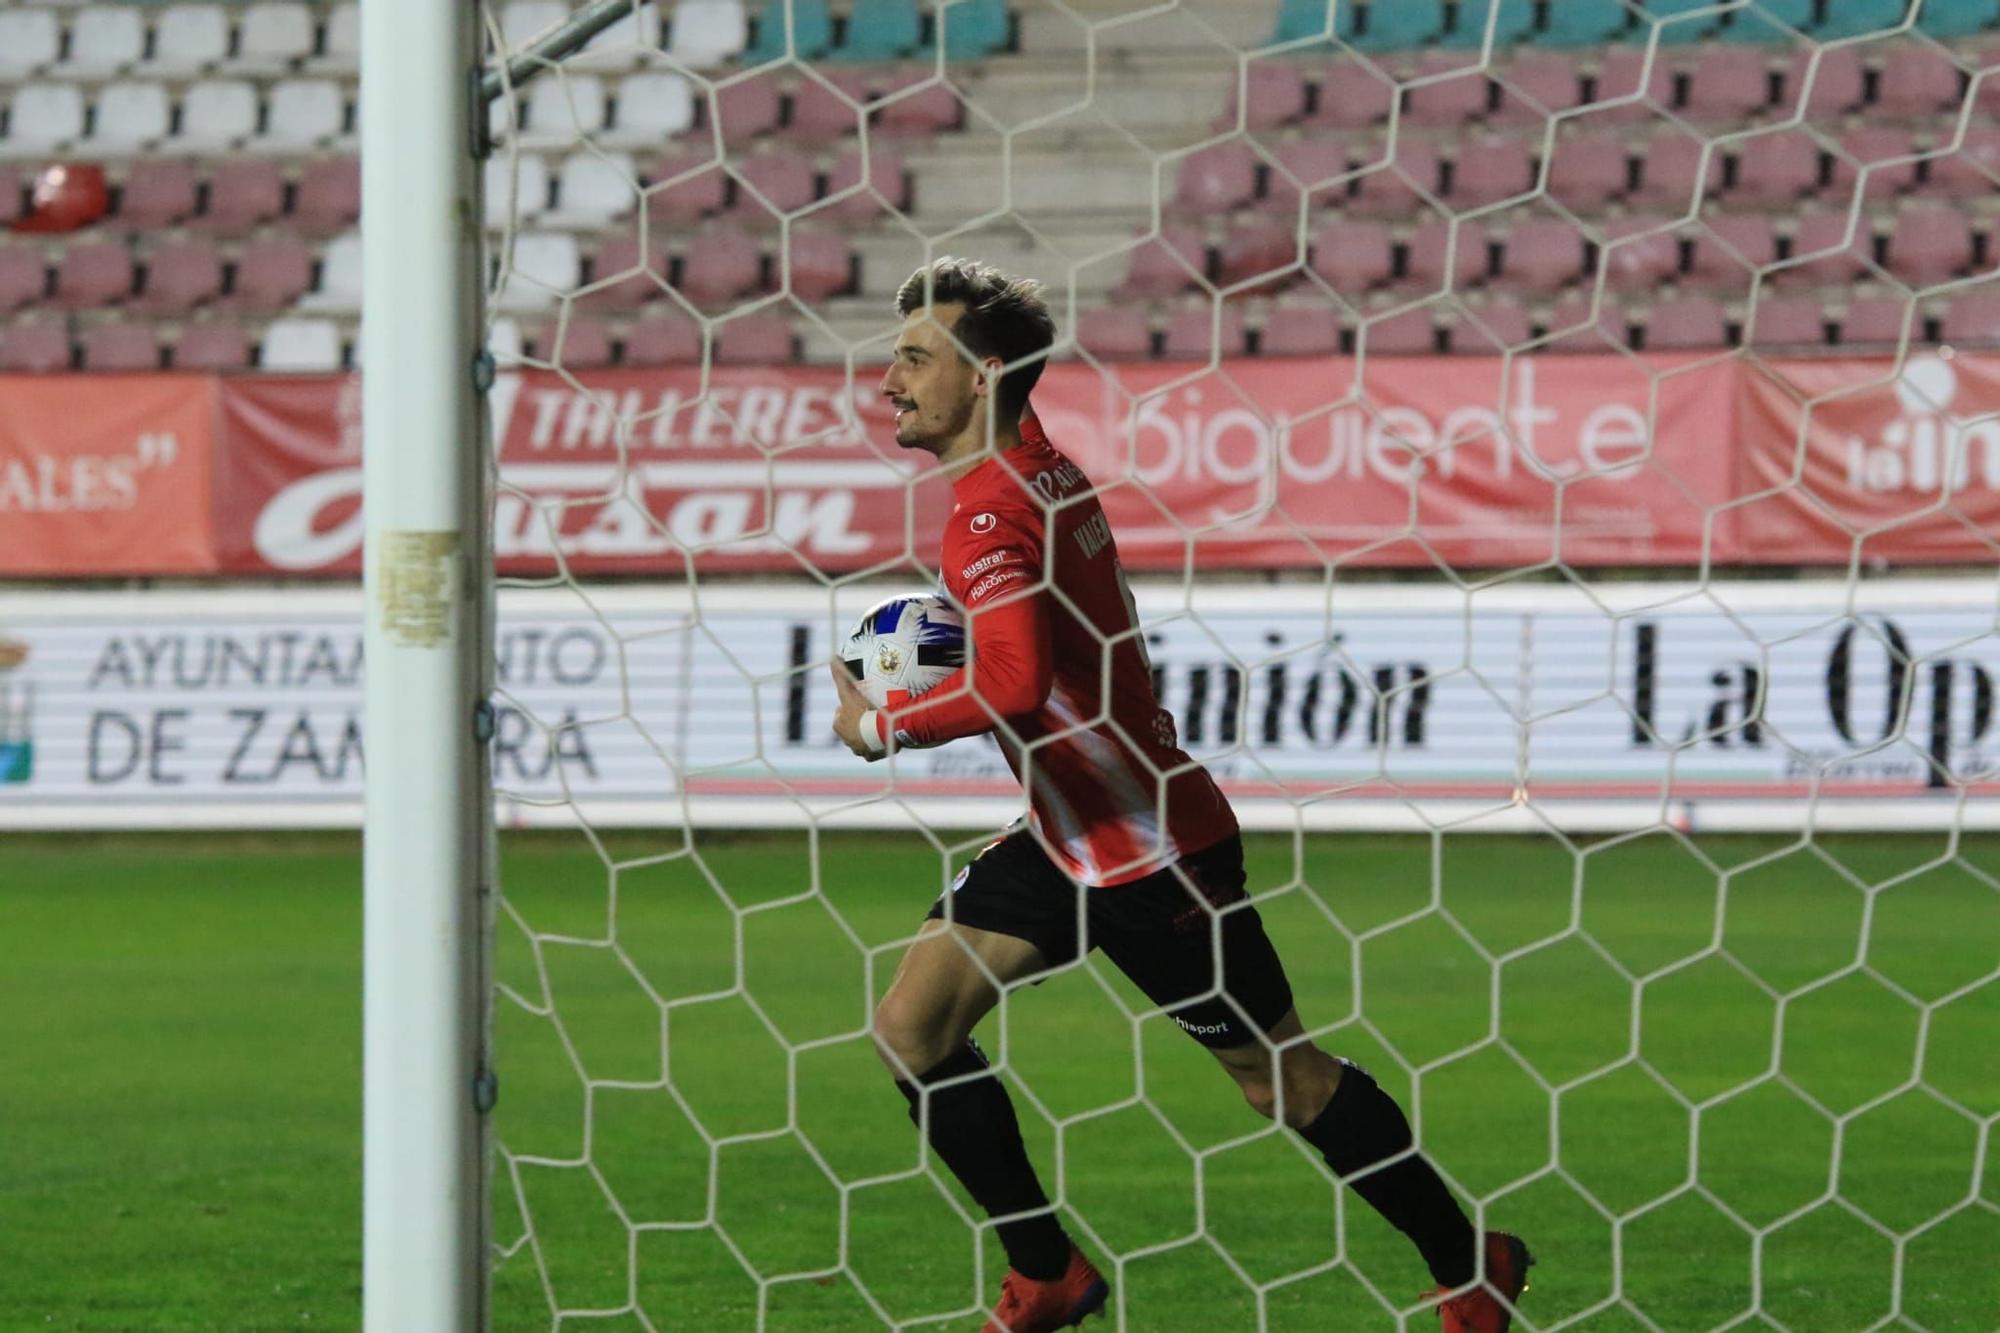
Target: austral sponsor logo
(989, 561)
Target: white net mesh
(1716, 1081)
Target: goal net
(1557, 456)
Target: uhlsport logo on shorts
(17, 714)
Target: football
(903, 647)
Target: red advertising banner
(105, 475)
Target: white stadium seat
(187, 40)
(563, 111)
(130, 116)
(528, 179)
(504, 341)
(215, 114)
(339, 277)
(546, 265)
(303, 345)
(44, 116)
(104, 39)
(524, 20)
(593, 188)
(272, 37)
(341, 53)
(651, 108)
(624, 43)
(304, 113)
(707, 33)
(29, 40)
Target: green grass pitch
(180, 1086)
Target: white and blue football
(903, 647)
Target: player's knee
(1263, 1098)
(908, 1040)
(1310, 1076)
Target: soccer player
(1118, 814)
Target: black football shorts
(1161, 931)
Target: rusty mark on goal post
(416, 581)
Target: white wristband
(871, 732)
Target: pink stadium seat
(1314, 163)
(663, 340)
(1780, 323)
(583, 343)
(1457, 93)
(1971, 169)
(242, 194)
(23, 276)
(1256, 249)
(34, 348)
(772, 185)
(620, 256)
(1973, 320)
(1352, 256)
(1684, 323)
(212, 347)
(1543, 255)
(821, 114)
(1639, 253)
(1489, 329)
(271, 275)
(1436, 267)
(1537, 84)
(1165, 265)
(1824, 255)
(720, 267)
(1192, 335)
(158, 192)
(1390, 189)
(686, 187)
(886, 177)
(1728, 248)
(1672, 178)
(1831, 87)
(1588, 171)
(1312, 330)
(1353, 95)
(181, 275)
(754, 340)
(1405, 333)
(822, 265)
(94, 274)
(1576, 331)
(1874, 144)
(120, 347)
(929, 111)
(1916, 81)
(1114, 333)
(1879, 322)
(1930, 245)
(1491, 170)
(748, 109)
(1728, 83)
(328, 199)
(1618, 76)
(1275, 95)
(1216, 179)
(1776, 168)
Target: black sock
(1363, 1125)
(973, 1131)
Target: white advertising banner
(1384, 705)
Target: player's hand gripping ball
(904, 647)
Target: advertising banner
(223, 708)
(105, 474)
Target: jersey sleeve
(993, 571)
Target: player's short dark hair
(1005, 316)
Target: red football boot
(1489, 1307)
(1028, 1306)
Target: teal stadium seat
(1583, 22)
(884, 30)
(1959, 18)
(1400, 24)
(973, 29)
(1516, 20)
(1854, 18)
(1300, 19)
(812, 29)
(1673, 29)
(1754, 24)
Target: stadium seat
(188, 40)
(1216, 179)
(271, 275)
(1781, 323)
(578, 343)
(1681, 20)
(212, 347)
(1389, 189)
(1619, 75)
(34, 349)
(880, 31)
(340, 51)
(129, 117)
(1487, 329)
(1114, 333)
(707, 33)
(823, 114)
(1777, 167)
(1855, 18)
(1890, 147)
(95, 273)
(1353, 257)
(1451, 92)
(120, 347)
(272, 37)
(626, 278)
(1729, 247)
(651, 107)
(721, 267)
(1969, 170)
(1686, 323)
(754, 340)
(516, 188)
(1671, 176)
(1353, 95)
(562, 112)
(1728, 83)
(243, 194)
(971, 29)
(663, 340)
(1536, 85)
(1928, 246)
(1299, 20)
(1491, 170)
(1196, 335)
(919, 107)
(340, 278)
(1830, 85)
(1958, 18)
(1582, 22)
(1770, 22)
(104, 40)
(1572, 328)
(545, 266)
(791, 28)
(216, 115)
(1916, 81)
(822, 265)
(1512, 21)
(303, 114)
(886, 177)
(1412, 332)
(748, 109)
(1821, 253)
(30, 40)
(1317, 164)
(772, 185)
(1399, 26)
(686, 186)
(593, 188)
(300, 346)
(23, 276)
(42, 118)
(1973, 320)
(1165, 265)
(1254, 250)
(1879, 322)
(1436, 265)
(1311, 330)
(1274, 94)
(328, 198)
(1588, 171)
(1639, 254)
(521, 21)
(181, 275)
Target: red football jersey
(1057, 655)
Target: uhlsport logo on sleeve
(17, 714)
